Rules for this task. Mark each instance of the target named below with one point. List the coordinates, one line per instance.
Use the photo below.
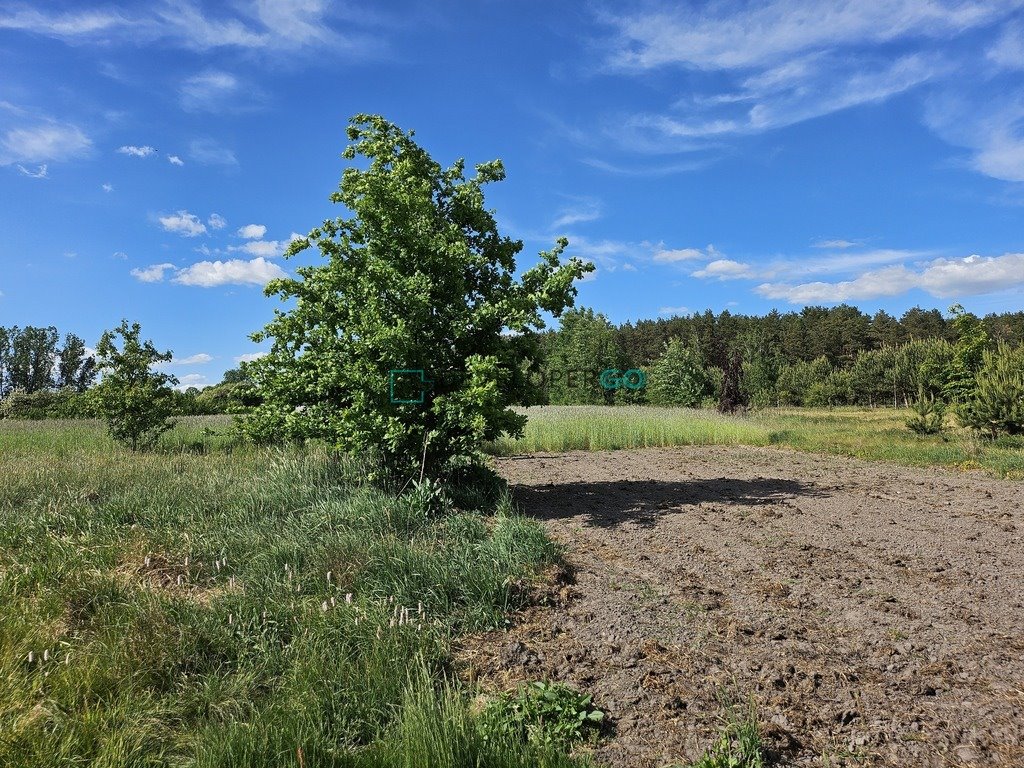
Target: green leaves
(544, 713)
(134, 401)
(419, 278)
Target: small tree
(419, 280)
(928, 414)
(997, 405)
(134, 400)
(679, 376)
(972, 340)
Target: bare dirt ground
(873, 612)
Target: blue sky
(155, 158)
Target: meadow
(211, 604)
(875, 434)
(216, 604)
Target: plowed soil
(872, 612)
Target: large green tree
(418, 278)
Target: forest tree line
(816, 357)
(820, 357)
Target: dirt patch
(873, 612)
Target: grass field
(215, 605)
(874, 434)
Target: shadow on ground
(644, 502)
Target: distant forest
(819, 356)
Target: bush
(48, 404)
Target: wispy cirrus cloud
(745, 68)
(731, 35)
(990, 129)
(218, 91)
(833, 244)
(36, 140)
(582, 210)
(196, 359)
(211, 152)
(38, 173)
(264, 25)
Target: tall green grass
(594, 427)
(233, 606)
(878, 434)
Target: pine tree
(997, 405)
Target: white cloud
(197, 359)
(988, 128)
(640, 169)
(39, 173)
(252, 231)
(761, 66)
(184, 223)
(943, 278)
(133, 151)
(266, 25)
(725, 269)
(732, 36)
(151, 274)
(790, 267)
(674, 311)
(49, 141)
(209, 152)
(208, 274)
(120, 255)
(190, 380)
(108, 187)
(175, 160)
(584, 210)
(249, 357)
(833, 244)
(777, 100)
(61, 24)
(207, 91)
(266, 248)
(663, 256)
(216, 221)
